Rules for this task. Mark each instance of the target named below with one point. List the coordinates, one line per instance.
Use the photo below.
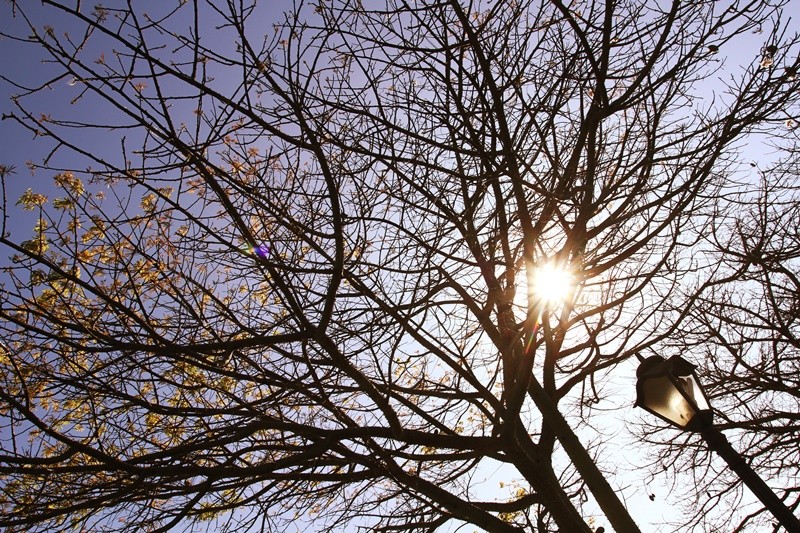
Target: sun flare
(551, 282)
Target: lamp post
(669, 389)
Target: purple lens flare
(262, 251)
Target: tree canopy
(283, 268)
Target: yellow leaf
(31, 200)
(68, 181)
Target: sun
(551, 282)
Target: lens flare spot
(261, 251)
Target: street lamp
(669, 389)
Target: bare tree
(301, 288)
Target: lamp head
(670, 390)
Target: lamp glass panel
(662, 397)
(692, 388)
